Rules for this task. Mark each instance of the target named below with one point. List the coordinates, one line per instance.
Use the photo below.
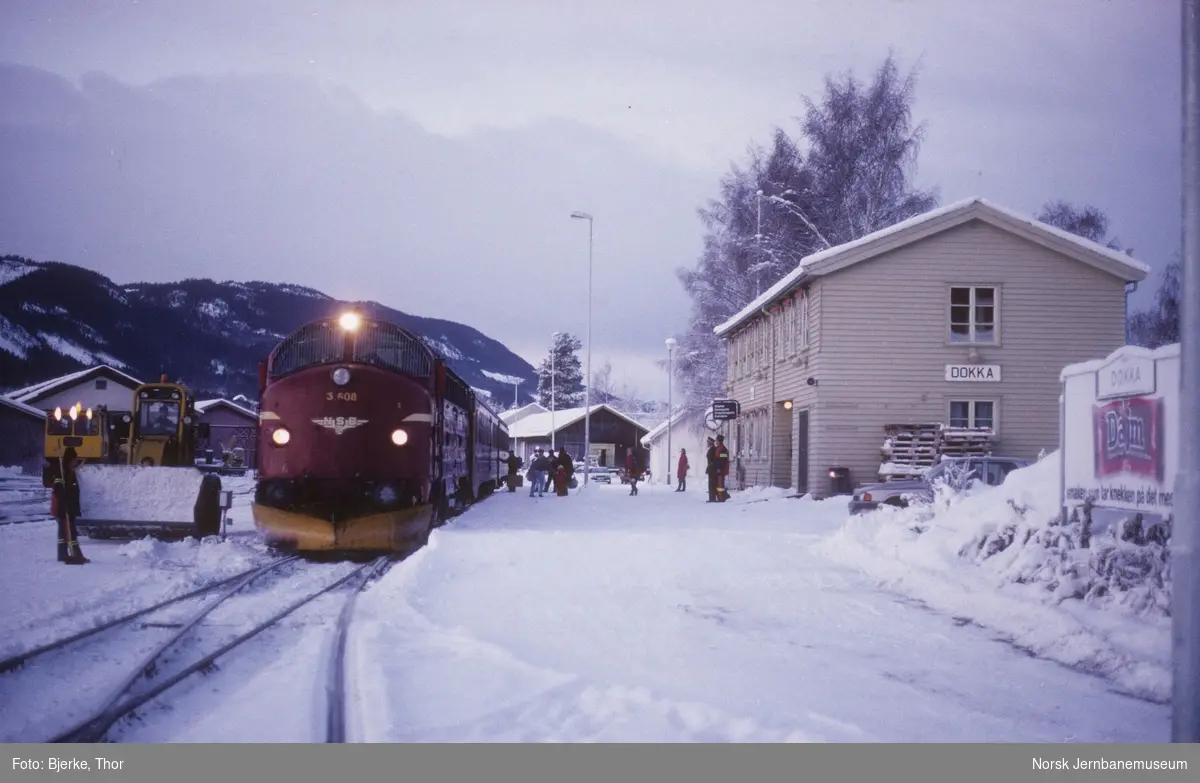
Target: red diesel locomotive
(367, 439)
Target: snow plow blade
(131, 501)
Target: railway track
(158, 671)
(101, 625)
(185, 651)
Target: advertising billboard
(1120, 444)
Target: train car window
(314, 344)
(388, 346)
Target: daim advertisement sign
(1120, 423)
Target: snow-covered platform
(604, 617)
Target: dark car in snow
(958, 472)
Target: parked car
(958, 471)
(602, 475)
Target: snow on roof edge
(43, 387)
(204, 405)
(525, 428)
(23, 408)
(962, 205)
(672, 420)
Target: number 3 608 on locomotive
(367, 439)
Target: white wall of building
(115, 396)
(663, 465)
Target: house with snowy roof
(91, 387)
(516, 414)
(612, 433)
(958, 320)
(684, 431)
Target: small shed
(233, 432)
(22, 436)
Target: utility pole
(553, 377)
(671, 343)
(587, 389)
(1185, 538)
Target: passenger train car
(367, 439)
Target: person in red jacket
(681, 471)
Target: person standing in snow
(514, 467)
(721, 468)
(67, 508)
(633, 469)
(540, 470)
(565, 469)
(552, 470)
(681, 471)
(710, 469)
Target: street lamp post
(553, 376)
(670, 402)
(587, 388)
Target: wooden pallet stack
(964, 442)
(911, 449)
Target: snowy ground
(602, 617)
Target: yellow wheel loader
(158, 490)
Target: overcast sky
(427, 155)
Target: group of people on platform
(559, 468)
(545, 468)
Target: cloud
(278, 178)
(1025, 101)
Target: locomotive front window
(319, 343)
(388, 346)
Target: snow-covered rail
(129, 696)
(335, 725)
(103, 625)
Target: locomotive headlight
(349, 321)
(281, 436)
(399, 437)
(341, 376)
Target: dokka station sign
(973, 372)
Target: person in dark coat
(681, 471)
(67, 507)
(514, 468)
(710, 469)
(721, 463)
(564, 471)
(634, 468)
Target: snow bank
(134, 493)
(1098, 602)
(757, 494)
(10, 470)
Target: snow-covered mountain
(56, 318)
